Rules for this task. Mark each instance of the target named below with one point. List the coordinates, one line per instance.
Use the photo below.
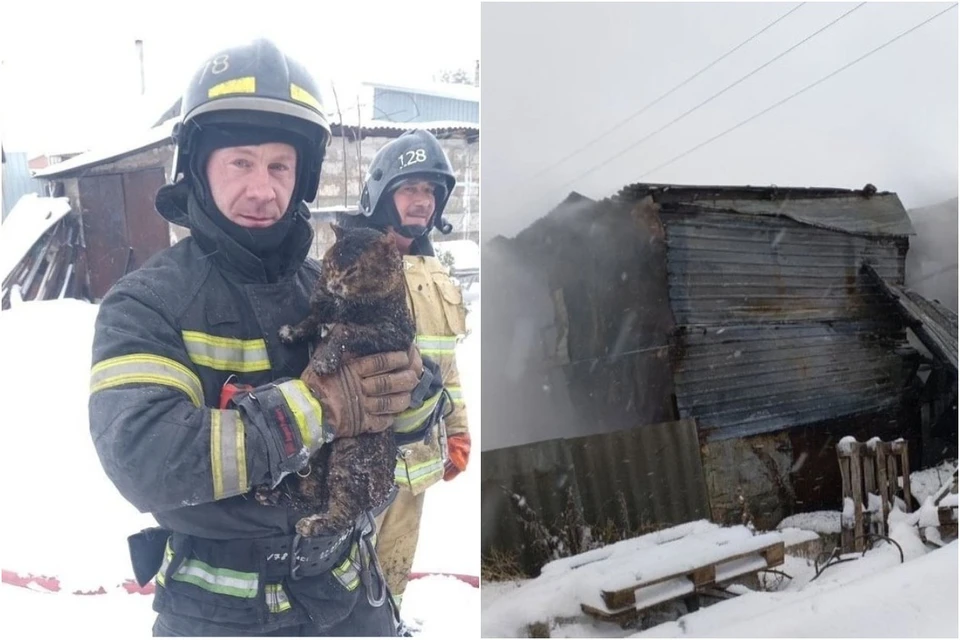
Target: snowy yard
(871, 596)
(66, 520)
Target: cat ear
(337, 230)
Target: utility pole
(143, 81)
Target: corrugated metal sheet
(409, 106)
(655, 467)
(728, 268)
(934, 324)
(652, 472)
(864, 211)
(17, 181)
(779, 328)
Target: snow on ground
(445, 607)
(567, 583)
(40, 614)
(927, 481)
(450, 533)
(882, 598)
(66, 519)
(872, 596)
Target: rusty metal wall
(635, 478)
(778, 326)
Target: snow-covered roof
(147, 140)
(163, 134)
(25, 224)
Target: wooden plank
(892, 478)
(883, 481)
(846, 529)
(870, 475)
(856, 484)
(700, 577)
(901, 449)
(774, 555)
(704, 576)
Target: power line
(657, 100)
(794, 95)
(711, 98)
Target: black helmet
(256, 84)
(414, 155)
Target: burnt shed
(749, 311)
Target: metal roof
(934, 324)
(862, 212)
(467, 92)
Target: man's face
(252, 186)
(415, 202)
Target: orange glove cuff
(458, 452)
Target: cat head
(362, 264)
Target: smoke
(557, 76)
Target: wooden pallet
(624, 605)
(866, 469)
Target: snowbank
(25, 224)
(566, 583)
(927, 481)
(66, 518)
(914, 599)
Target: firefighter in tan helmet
(407, 187)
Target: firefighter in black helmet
(408, 186)
(195, 401)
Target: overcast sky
(556, 76)
(69, 79)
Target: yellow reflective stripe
(306, 410)
(417, 474)
(226, 354)
(145, 368)
(348, 572)
(302, 95)
(436, 345)
(228, 454)
(237, 85)
(277, 601)
(240, 584)
(167, 557)
(456, 394)
(410, 419)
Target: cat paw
(286, 334)
(311, 527)
(268, 497)
(326, 362)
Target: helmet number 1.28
(219, 64)
(413, 156)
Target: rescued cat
(360, 303)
